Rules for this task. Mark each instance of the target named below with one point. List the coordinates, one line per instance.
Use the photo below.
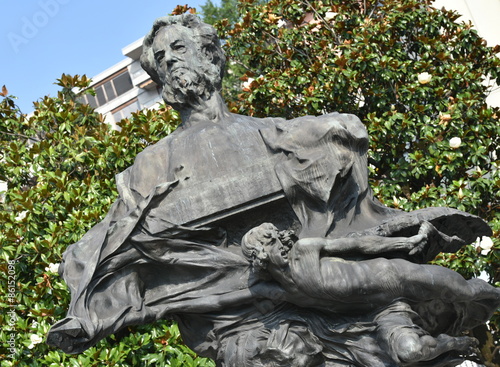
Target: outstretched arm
(367, 245)
(375, 245)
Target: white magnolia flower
(21, 216)
(485, 243)
(329, 15)
(281, 23)
(455, 142)
(35, 339)
(424, 78)
(246, 85)
(52, 268)
(3, 186)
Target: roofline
(110, 71)
(134, 49)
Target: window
(101, 98)
(109, 89)
(126, 110)
(122, 83)
(88, 99)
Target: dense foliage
(228, 9)
(411, 73)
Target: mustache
(186, 86)
(188, 81)
(184, 78)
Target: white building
(123, 88)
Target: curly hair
(204, 35)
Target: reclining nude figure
(312, 274)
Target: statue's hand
(435, 241)
(420, 242)
(417, 244)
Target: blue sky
(41, 39)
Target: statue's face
(179, 63)
(277, 252)
(173, 49)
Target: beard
(185, 86)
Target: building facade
(123, 88)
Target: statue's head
(265, 245)
(183, 55)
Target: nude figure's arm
(367, 245)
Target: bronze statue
(170, 246)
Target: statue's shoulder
(309, 131)
(160, 147)
(334, 122)
(149, 168)
(252, 122)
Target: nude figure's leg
(408, 343)
(411, 348)
(426, 282)
(381, 280)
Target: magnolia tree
(57, 181)
(415, 76)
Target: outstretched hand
(435, 242)
(420, 241)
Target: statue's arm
(366, 245)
